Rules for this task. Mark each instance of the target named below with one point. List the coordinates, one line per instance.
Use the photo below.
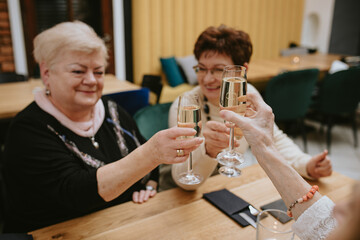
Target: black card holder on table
(230, 204)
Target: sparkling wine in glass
(189, 115)
(233, 98)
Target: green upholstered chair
(289, 95)
(338, 99)
(152, 119)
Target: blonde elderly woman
(317, 217)
(72, 152)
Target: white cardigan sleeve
(317, 221)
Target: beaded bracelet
(304, 198)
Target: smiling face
(210, 83)
(75, 81)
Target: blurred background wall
(150, 29)
(163, 28)
(345, 34)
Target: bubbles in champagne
(233, 94)
(190, 116)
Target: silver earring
(47, 92)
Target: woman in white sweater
(316, 216)
(215, 48)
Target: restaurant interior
(151, 61)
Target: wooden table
(177, 214)
(262, 70)
(16, 96)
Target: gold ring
(180, 152)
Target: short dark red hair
(225, 40)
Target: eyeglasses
(201, 71)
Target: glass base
(190, 178)
(230, 159)
(230, 171)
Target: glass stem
(190, 168)
(190, 163)
(231, 140)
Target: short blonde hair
(67, 36)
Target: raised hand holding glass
(233, 98)
(189, 115)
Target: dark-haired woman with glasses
(215, 48)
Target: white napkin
(338, 66)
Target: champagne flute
(189, 115)
(233, 98)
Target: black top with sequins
(50, 172)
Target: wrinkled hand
(163, 145)
(144, 195)
(258, 123)
(216, 138)
(319, 165)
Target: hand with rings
(169, 146)
(180, 152)
(145, 194)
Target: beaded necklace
(92, 138)
(206, 109)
